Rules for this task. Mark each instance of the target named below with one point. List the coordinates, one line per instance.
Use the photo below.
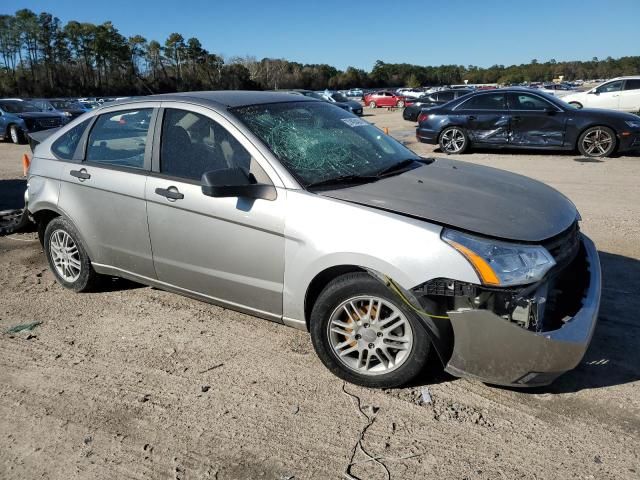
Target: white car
(557, 89)
(410, 92)
(621, 93)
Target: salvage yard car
(19, 117)
(523, 118)
(621, 93)
(296, 211)
(384, 98)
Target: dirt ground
(134, 382)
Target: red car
(384, 98)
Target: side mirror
(550, 110)
(235, 182)
(594, 92)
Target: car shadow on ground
(538, 152)
(613, 357)
(12, 194)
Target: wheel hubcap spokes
(370, 335)
(597, 142)
(65, 255)
(453, 140)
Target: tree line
(40, 56)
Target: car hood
(38, 115)
(469, 197)
(605, 113)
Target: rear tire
(453, 140)
(597, 142)
(67, 257)
(575, 104)
(366, 335)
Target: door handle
(472, 117)
(171, 193)
(81, 174)
(517, 118)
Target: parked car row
(19, 117)
(436, 98)
(336, 98)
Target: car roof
(225, 99)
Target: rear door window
(487, 101)
(633, 84)
(445, 96)
(523, 101)
(120, 138)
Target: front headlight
(501, 263)
(633, 123)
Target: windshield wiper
(344, 180)
(399, 167)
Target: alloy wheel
(14, 135)
(65, 256)
(597, 142)
(453, 140)
(370, 335)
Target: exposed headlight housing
(633, 123)
(501, 264)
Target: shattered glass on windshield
(317, 141)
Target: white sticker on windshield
(354, 122)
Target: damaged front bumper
(490, 349)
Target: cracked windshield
(318, 142)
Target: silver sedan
(294, 210)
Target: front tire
(400, 104)
(366, 335)
(453, 140)
(16, 135)
(597, 142)
(372, 104)
(576, 104)
(67, 257)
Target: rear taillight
(423, 117)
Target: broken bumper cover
(492, 350)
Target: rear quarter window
(65, 146)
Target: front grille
(49, 122)
(565, 246)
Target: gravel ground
(134, 382)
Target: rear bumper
(426, 135)
(495, 351)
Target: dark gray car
(296, 211)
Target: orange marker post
(26, 162)
(386, 130)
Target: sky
(357, 33)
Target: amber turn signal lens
(486, 273)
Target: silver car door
(230, 250)
(103, 194)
